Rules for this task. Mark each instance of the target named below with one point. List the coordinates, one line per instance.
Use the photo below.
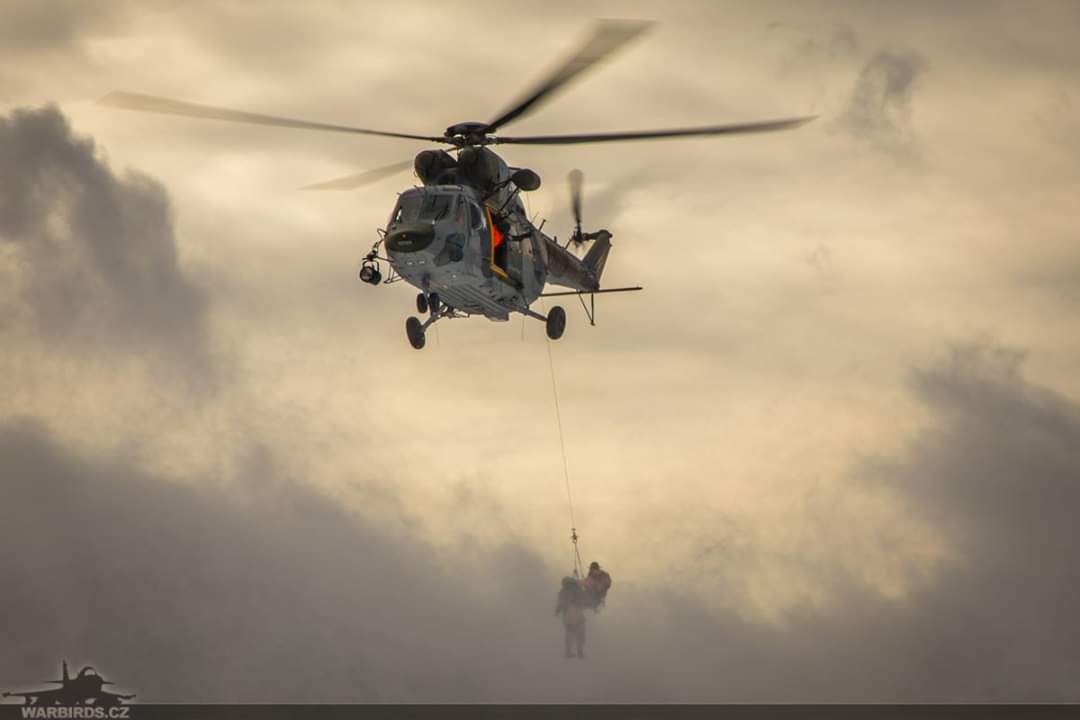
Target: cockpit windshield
(424, 207)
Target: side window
(476, 219)
(455, 246)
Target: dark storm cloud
(997, 472)
(92, 255)
(881, 104)
(1002, 478)
(267, 591)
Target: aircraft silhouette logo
(86, 688)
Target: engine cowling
(432, 165)
(480, 166)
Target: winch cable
(578, 566)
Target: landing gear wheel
(434, 304)
(556, 322)
(421, 303)
(415, 331)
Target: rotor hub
(468, 133)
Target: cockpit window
(424, 207)
(436, 207)
(408, 208)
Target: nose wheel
(428, 303)
(415, 328)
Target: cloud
(881, 104)
(812, 43)
(764, 384)
(89, 258)
(1002, 478)
(997, 472)
(51, 35)
(262, 589)
(268, 591)
(53, 26)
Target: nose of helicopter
(410, 237)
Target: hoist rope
(578, 566)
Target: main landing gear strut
(554, 323)
(416, 330)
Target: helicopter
(463, 237)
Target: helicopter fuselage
(444, 239)
(472, 243)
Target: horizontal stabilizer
(592, 292)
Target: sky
(830, 453)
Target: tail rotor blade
(576, 180)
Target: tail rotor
(576, 179)
(578, 238)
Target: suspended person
(596, 584)
(571, 605)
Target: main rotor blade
(149, 103)
(607, 37)
(363, 178)
(738, 129)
